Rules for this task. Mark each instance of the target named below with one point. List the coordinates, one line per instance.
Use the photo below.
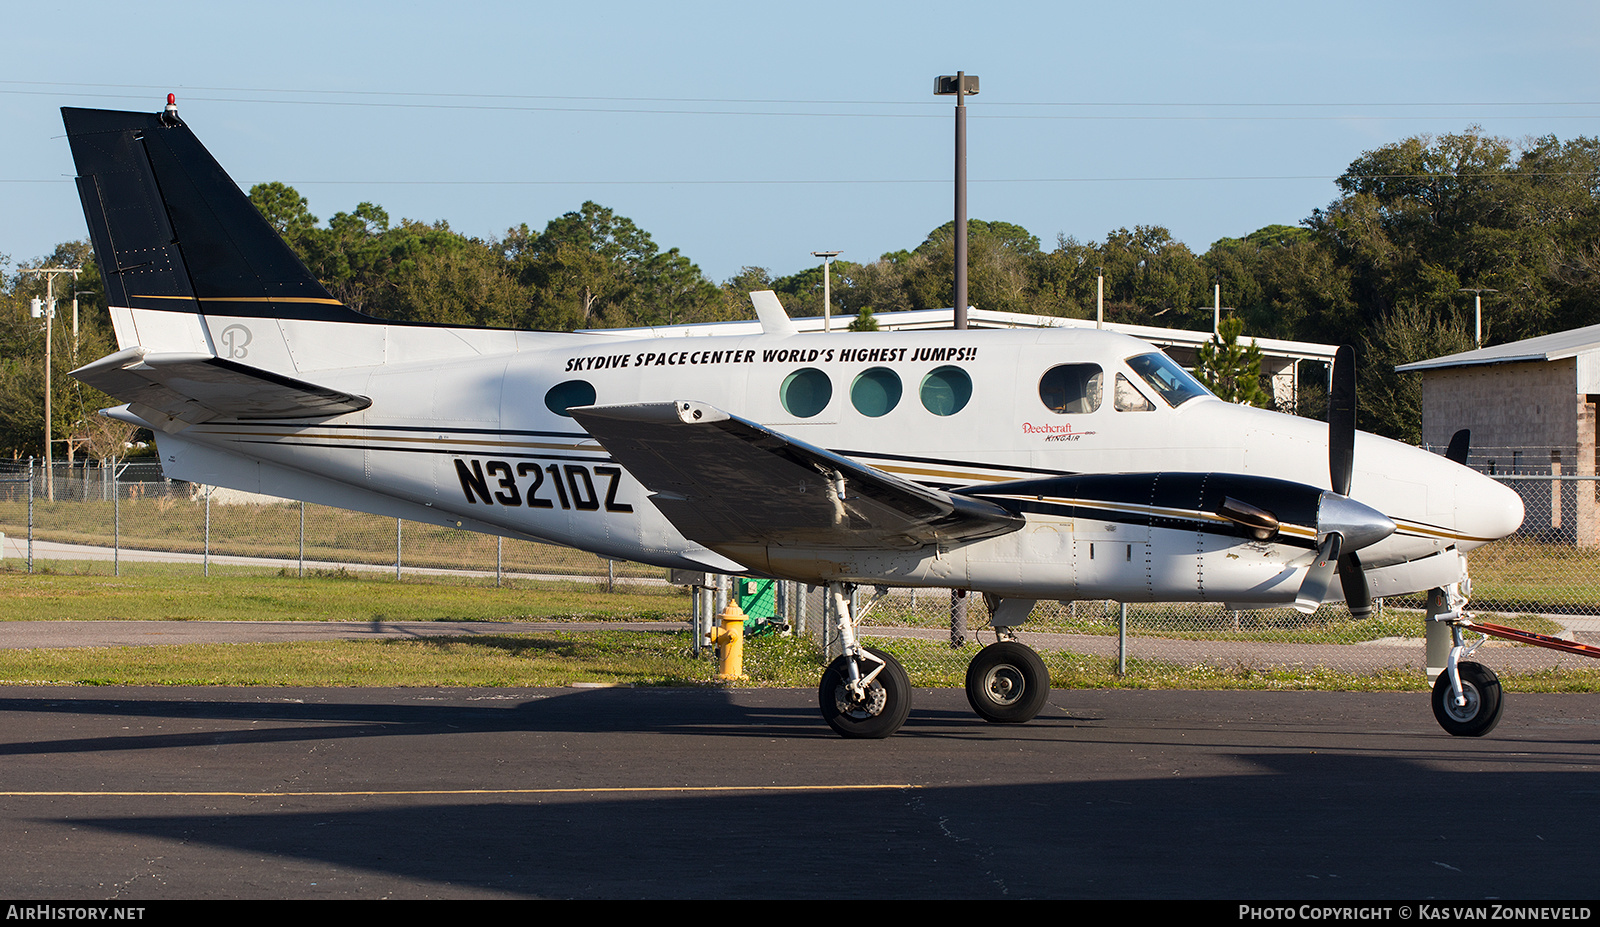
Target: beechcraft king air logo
(1053, 432)
(235, 339)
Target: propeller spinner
(1345, 525)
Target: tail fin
(172, 231)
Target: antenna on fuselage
(774, 321)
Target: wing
(724, 481)
(197, 388)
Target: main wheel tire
(880, 713)
(1484, 701)
(1007, 683)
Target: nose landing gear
(1477, 708)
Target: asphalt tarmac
(128, 794)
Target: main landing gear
(1007, 683)
(865, 693)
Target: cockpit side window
(1172, 383)
(1072, 389)
(1129, 399)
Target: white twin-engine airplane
(1025, 465)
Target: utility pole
(961, 86)
(48, 310)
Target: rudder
(173, 232)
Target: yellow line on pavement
(381, 792)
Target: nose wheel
(1477, 710)
(1007, 683)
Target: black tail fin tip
(172, 231)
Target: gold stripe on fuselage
(248, 299)
(402, 439)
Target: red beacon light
(170, 115)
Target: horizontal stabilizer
(196, 388)
(727, 482)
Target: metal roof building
(1531, 407)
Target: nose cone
(1486, 510)
(1360, 525)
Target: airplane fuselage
(466, 428)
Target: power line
(1512, 174)
(986, 112)
(804, 102)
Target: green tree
(284, 208)
(1391, 403)
(74, 406)
(1232, 370)
(1002, 264)
(864, 321)
(592, 268)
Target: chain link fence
(1546, 578)
(116, 517)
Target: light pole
(1477, 308)
(827, 286)
(1216, 306)
(1099, 297)
(960, 86)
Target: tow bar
(1527, 637)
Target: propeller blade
(1353, 580)
(1460, 446)
(1342, 420)
(1315, 587)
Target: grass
(1330, 625)
(1516, 575)
(654, 658)
(171, 593)
(521, 660)
(174, 523)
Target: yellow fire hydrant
(729, 640)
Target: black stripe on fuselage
(946, 462)
(1173, 501)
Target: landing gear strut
(1467, 701)
(865, 693)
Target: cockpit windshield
(1171, 382)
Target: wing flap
(196, 388)
(725, 481)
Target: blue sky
(754, 134)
